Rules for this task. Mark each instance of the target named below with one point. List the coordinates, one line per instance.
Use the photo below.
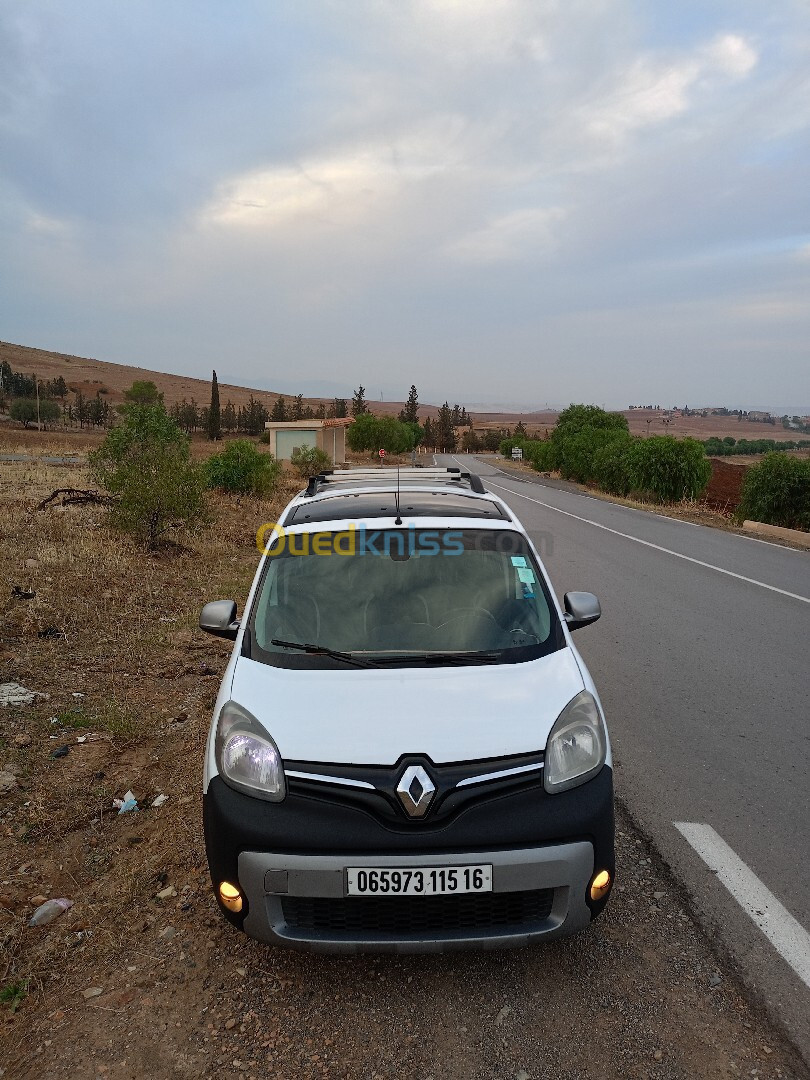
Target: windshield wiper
(448, 658)
(321, 650)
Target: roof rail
(407, 474)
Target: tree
(214, 423)
(97, 410)
(338, 408)
(359, 405)
(25, 411)
(229, 417)
(254, 417)
(429, 439)
(520, 430)
(444, 435)
(279, 412)
(298, 407)
(410, 414)
(143, 392)
(456, 416)
(145, 462)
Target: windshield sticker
(526, 575)
(518, 560)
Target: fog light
(600, 885)
(230, 896)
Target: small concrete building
(328, 435)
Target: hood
(357, 716)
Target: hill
(88, 375)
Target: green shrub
(241, 469)
(540, 454)
(666, 469)
(611, 466)
(309, 461)
(777, 491)
(145, 463)
(369, 432)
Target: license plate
(417, 881)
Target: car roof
(371, 504)
(407, 492)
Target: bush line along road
(703, 666)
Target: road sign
(382, 453)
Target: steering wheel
(456, 614)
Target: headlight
(577, 745)
(247, 758)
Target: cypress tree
(213, 412)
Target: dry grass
(118, 627)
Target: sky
(505, 202)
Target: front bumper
(537, 892)
(290, 861)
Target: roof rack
(407, 474)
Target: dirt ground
(725, 486)
(132, 985)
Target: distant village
(792, 423)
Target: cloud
(531, 231)
(344, 188)
(422, 186)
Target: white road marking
(657, 547)
(786, 934)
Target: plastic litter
(129, 802)
(159, 800)
(49, 911)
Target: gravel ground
(640, 994)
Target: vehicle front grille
(403, 917)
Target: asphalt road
(702, 659)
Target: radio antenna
(398, 519)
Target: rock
(241, 971)
(167, 893)
(31, 564)
(60, 751)
(502, 1015)
(659, 895)
(22, 740)
(167, 933)
(715, 980)
(658, 1055)
(12, 693)
(522, 1075)
(230, 1024)
(92, 992)
(37, 900)
(8, 782)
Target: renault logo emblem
(415, 790)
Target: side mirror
(581, 609)
(219, 618)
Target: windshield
(409, 596)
